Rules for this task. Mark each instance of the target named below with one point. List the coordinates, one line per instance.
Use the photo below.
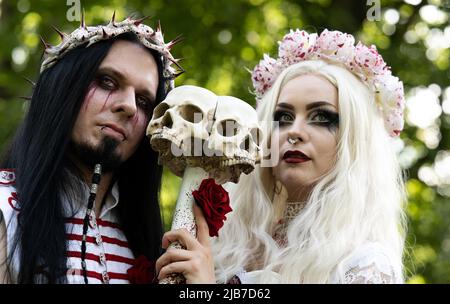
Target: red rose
(215, 203)
(142, 271)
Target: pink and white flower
(296, 46)
(392, 102)
(394, 122)
(390, 91)
(264, 74)
(335, 44)
(368, 62)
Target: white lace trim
(369, 275)
(254, 277)
(371, 265)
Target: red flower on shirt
(215, 203)
(142, 272)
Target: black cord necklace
(94, 186)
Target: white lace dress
(367, 264)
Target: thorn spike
(139, 21)
(177, 39)
(46, 45)
(61, 34)
(159, 26)
(30, 81)
(175, 61)
(179, 73)
(82, 23)
(130, 16)
(113, 18)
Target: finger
(176, 267)
(181, 235)
(172, 255)
(165, 241)
(202, 226)
(170, 237)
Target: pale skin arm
(3, 267)
(196, 261)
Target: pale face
(307, 112)
(119, 101)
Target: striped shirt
(108, 256)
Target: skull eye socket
(191, 113)
(256, 135)
(160, 110)
(228, 128)
(245, 145)
(167, 121)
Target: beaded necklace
(90, 209)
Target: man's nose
(126, 103)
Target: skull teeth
(166, 136)
(237, 161)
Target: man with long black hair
(79, 188)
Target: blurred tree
(223, 38)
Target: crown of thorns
(152, 39)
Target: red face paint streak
(106, 100)
(135, 119)
(91, 92)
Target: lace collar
(292, 209)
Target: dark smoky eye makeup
(106, 81)
(283, 117)
(324, 117)
(144, 103)
(321, 117)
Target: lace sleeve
(370, 274)
(371, 266)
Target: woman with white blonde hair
(331, 209)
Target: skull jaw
(163, 141)
(225, 167)
(229, 170)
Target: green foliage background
(223, 38)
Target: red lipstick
(295, 157)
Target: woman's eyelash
(331, 117)
(331, 121)
(278, 116)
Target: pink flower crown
(363, 61)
